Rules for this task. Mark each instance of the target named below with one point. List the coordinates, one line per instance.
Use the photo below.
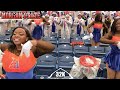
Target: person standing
(112, 58)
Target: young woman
(97, 25)
(112, 58)
(20, 56)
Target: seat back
(65, 49)
(63, 41)
(66, 62)
(46, 64)
(97, 51)
(81, 50)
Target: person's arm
(105, 26)
(88, 27)
(106, 39)
(42, 47)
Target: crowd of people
(26, 44)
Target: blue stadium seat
(102, 71)
(97, 51)
(87, 42)
(2, 37)
(76, 39)
(8, 32)
(52, 39)
(81, 50)
(65, 49)
(55, 52)
(102, 66)
(41, 77)
(7, 38)
(66, 62)
(107, 49)
(104, 45)
(63, 41)
(54, 35)
(46, 64)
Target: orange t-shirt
(14, 63)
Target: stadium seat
(54, 35)
(52, 39)
(55, 52)
(46, 64)
(8, 32)
(65, 49)
(104, 73)
(97, 51)
(101, 71)
(87, 42)
(76, 39)
(107, 49)
(81, 50)
(104, 45)
(41, 77)
(2, 37)
(7, 38)
(65, 62)
(63, 41)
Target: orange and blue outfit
(18, 67)
(112, 58)
(38, 31)
(97, 31)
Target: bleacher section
(62, 56)
(64, 53)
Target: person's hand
(26, 48)
(91, 35)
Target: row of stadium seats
(78, 50)
(47, 64)
(58, 41)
